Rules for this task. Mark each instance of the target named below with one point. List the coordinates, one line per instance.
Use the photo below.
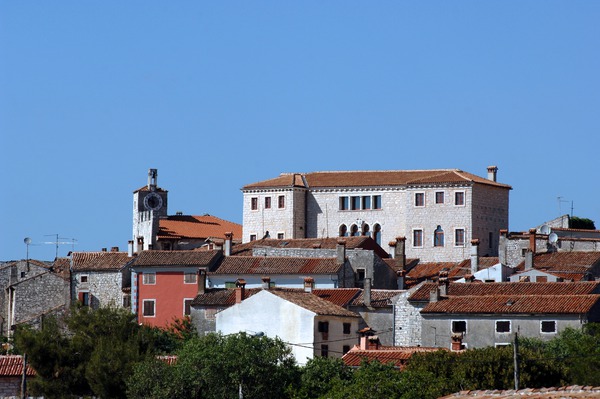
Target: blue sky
(216, 95)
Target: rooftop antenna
(27, 242)
(56, 242)
(561, 200)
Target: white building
(438, 211)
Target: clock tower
(149, 205)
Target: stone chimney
(492, 172)
(443, 282)
(309, 284)
(114, 249)
(502, 246)
(130, 248)
(474, 256)
(201, 281)
(392, 250)
(532, 240)
(228, 240)
(401, 251)
(240, 290)
(400, 275)
(367, 292)
(341, 252)
(266, 282)
(529, 259)
(434, 295)
(103, 249)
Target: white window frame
(464, 198)
(252, 200)
(422, 238)
(503, 321)
(373, 202)
(435, 199)
(555, 327)
(284, 201)
(144, 307)
(253, 235)
(188, 274)
(459, 332)
(415, 199)
(146, 278)
(187, 299)
(456, 244)
(282, 233)
(87, 278)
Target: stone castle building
(438, 211)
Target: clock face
(153, 202)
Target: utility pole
(516, 360)
(24, 378)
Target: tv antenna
(561, 200)
(57, 242)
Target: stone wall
(105, 288)
(204, 318)
(407, 320)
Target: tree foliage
(320, 375)
(581, 223)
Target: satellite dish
(27, 240)
(545, 229)
(553, 238)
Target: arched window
(354, 230)
(438, 237)
(343, 231)
(377, 233)
(366, 230)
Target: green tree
(581, 223)
(372, 380)
(320, 375)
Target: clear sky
(219, 94)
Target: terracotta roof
(277, 265)
(515, 304)
(100, 261)
(397, 355)
(379, 298)
(12, 366)
(570, 392)
(564, 261)
(339, 296)
(202, 227)
(167, 359)
(313, 303)
(491, 289)
(431, 270)
(62, 267)
(176, 258)
(394, 264)
(377, 179)
(221, 296)
(361, 242)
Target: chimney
(266, 282)
(532, 239)
(443, 282)
(178, 213)
(228, 239)
(392, 245)
(529, 260)
(130, 248)
(400, 279)
(401, 251)
(369, 342)
(240, 290)
(152, 179)
(457, 344)
(469, 278)
(474, 256)
(103, 249)
(114, 249)
(341, 252)
(492, 172)
(201, 281)
(502, 246)
(367, 292)
(434, 295)
(309, 284)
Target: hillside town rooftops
(100, 261)
(187, 226)
(176, 258)
(277, 265)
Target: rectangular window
(459, 237)
(541, 279)
(377, 202)
(324, 350)
(281, 201)
(548, 326)
(346, 349)
(355, 203)
(344, 204)
(323, 326)
(189, 278)
(149, 308)
(360, 274)
(347, 327)
(267, 202)
(254, 203)
(459, 198)
(503, 326)
(149, 278)
(459, 326)
(419, 199)
(417, 238)
(439, 197)
(366, 202)
(230, 284)
(84, 278)
(280, 236)
(187, 307)
(252, 237)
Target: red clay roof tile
(12, 366)
(396, 355)
(201, 227)
(176, 258)
(313, 303)
(277, 265)
(100, 261)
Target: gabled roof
(313, 303)
(339, 296)
(12, 366)
(379, 298)
(277, 265)
(395, 264)
(515, 304)
(397, 355)
(99, 261)
(520, 288)
(386, 178)
(176, 258)
(431, 270)
(200, 227)
(575, 262)
(361, 242)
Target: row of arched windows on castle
(363, 230)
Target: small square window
(417, 238)
(149, 308)
(377, 202)
(280, 236)
(267, 202)
(149, 278)
(419, 199)
(189, 278)
(347, 328)
(548, 326)
(459, 198)
(281, 201)
(323, 326)
(503, 326)
(459, 326)
(252, 237)
(439, 197)
(84, 278)
(360, 274)
(254, 203)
